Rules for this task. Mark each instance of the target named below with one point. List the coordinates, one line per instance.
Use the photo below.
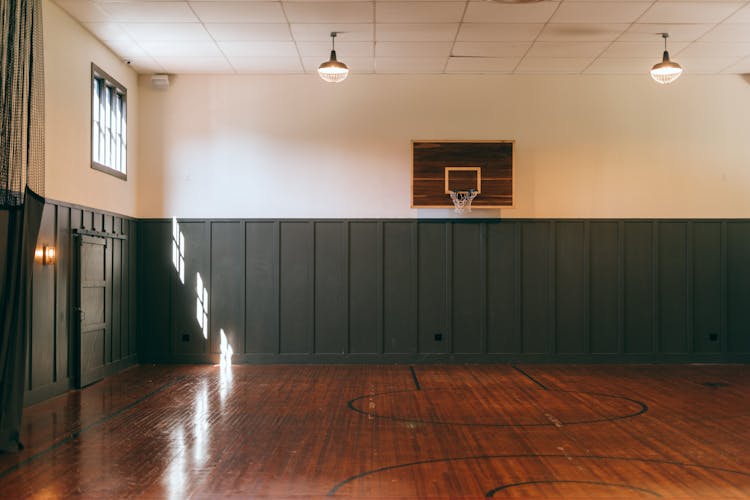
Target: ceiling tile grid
(421, 36)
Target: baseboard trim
(406, 358)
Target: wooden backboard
(441, 166)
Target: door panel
(92, 300)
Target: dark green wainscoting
(51, 364)
(450, 291)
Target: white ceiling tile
(412, 49)
(494, 12)
(706, 65)
(260, 49)
(688, 12)
(344, 50)
(166, 31)
(126, 49)
(642, 49)
(267, 65)
(239, 12)
(83, 10)
(189, 65)
(741, 16)
(149, 12)
(567, 49)
(182, 49)
(419, 12)
(716, 49)
(476, 32)
(589, 32)
(107, 31)
(318, 32)
(491, 49)
(572, 65)
(410, 65)
(482, 64)
(599, 12)
(436, 32)
(621, 66)
(742, 67)
(356, 65)
(645, 32)
(728, 33)
(267, 32)
(329, 12)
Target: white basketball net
(462, 200)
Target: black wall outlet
(439, 337)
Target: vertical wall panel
(364, 297)
(639, 299)
(115, 346)
(64, 269)
(673, 287)
(738, 287)
(297, 287)
(432, 288)
(605, 287)
(467, 287)
(42, 352)
(331, 304)
(535, 286)
(706, 287)
(134, 286)
(569, 287)
(227, 292)
(262, 288)
(399, 286)
(503, 332)
(156, 274)
(187, 334)
(125, 317)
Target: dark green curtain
(21, 202)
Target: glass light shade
(666, 71)
(332, 70)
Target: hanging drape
(21, 191)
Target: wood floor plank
(426, 431)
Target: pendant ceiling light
(332, 70)
(666, 71)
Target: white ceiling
(383, 36)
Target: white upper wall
(69, 51)
(585, 146)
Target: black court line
(643, 409)
(350, 479)
(544, 387)
(75, 434)
(416, 380)
(492, 492)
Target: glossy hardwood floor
(422, 431)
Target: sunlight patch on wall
(178, 250)
(201, 305)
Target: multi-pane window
(108, 124)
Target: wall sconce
(46, 255)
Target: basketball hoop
(462, 199)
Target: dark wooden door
(91, 304)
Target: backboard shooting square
(441, 166)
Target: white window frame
(109, 117)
